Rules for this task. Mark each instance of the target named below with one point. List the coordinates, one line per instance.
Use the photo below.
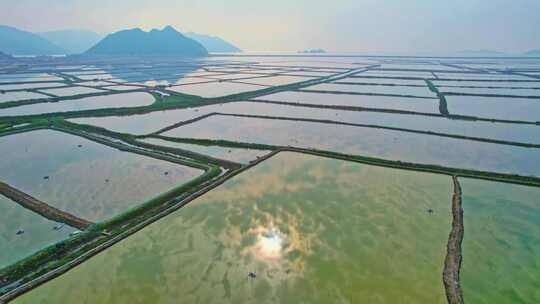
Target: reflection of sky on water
(270, 243)
(313, 230)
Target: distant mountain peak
(170, 28)
(213, 44)
(18, 42)
(5, 57)
(137, 42)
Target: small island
(312, 51)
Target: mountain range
(5, 57)
(74, 41)
(168, 42)
(16, 42)
(213, 44)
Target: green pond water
(38, 232)
(82, 177)
(501, 247)
(313, 230)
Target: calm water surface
(313, 230)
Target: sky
(362, 26)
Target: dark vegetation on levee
(452, 262)
(95, 237)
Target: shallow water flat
(495, 107)
(233, 76)
(307, 73)
(377, 89)
(417, 66)
(277, 80)
(38, 232)
(388, 144)
(472, 76)
(31, 85)
(500, 131)
(8, 78)
(215, 89)
(95, 83)
(484, 91)
(18, 96)
(381, 102)
(135, 99)
(122, 87)
(312, 230)
(397, 74)
(501, 246)
(446, 84)
(70, 91)
(84, 178)
(244, 156)
(152, 122)
(384, 81)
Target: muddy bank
(42, 208)
(452, 263)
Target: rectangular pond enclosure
(136, 99)
(23, 232)
(81, 177)
(265, 177)
(501, 246)
(312, 230)
(365, 141)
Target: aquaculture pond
(366, 101)
(70, 91)
(501, 84)
(526, 109)
(151, 122)
(18, 96)
(384, 81)
(475, 76)
(31, 85)
(84, 178)
(215, 89)
(375, 89)
(500, 91)
(501, 247)
(23, 232)
(276, 80)
(135, 99)
(243, 156)
(389, 144)
(308, 229)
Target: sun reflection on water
(270, 243)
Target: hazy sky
(336, 25)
